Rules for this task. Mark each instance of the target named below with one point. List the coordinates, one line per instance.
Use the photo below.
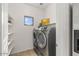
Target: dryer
(46, 40)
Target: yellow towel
(45, 21)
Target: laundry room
(23, 31)
(36, 29)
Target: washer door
(41, 40)
(35, 38)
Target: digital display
(28, 20)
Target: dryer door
(41, 40)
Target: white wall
(51, 12)
(0, 30)
(23, 34)
(4, 29)
(75, 15)
(62, 28)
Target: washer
(35, 44)
(35, 38)
(46, 40)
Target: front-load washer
(46, 40)
(35, 38)
(35, 43)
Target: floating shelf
(10, 33)
(9, 24)
(10, 42)
(10, 50)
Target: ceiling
(39, 5)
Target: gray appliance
(35, 43)
(76, 41)
(46, 40)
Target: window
(28, 20)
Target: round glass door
(41, 40)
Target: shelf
(10, 33)
(9, 24)
(10, 42)
(10, 50)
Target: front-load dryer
(46, 40)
